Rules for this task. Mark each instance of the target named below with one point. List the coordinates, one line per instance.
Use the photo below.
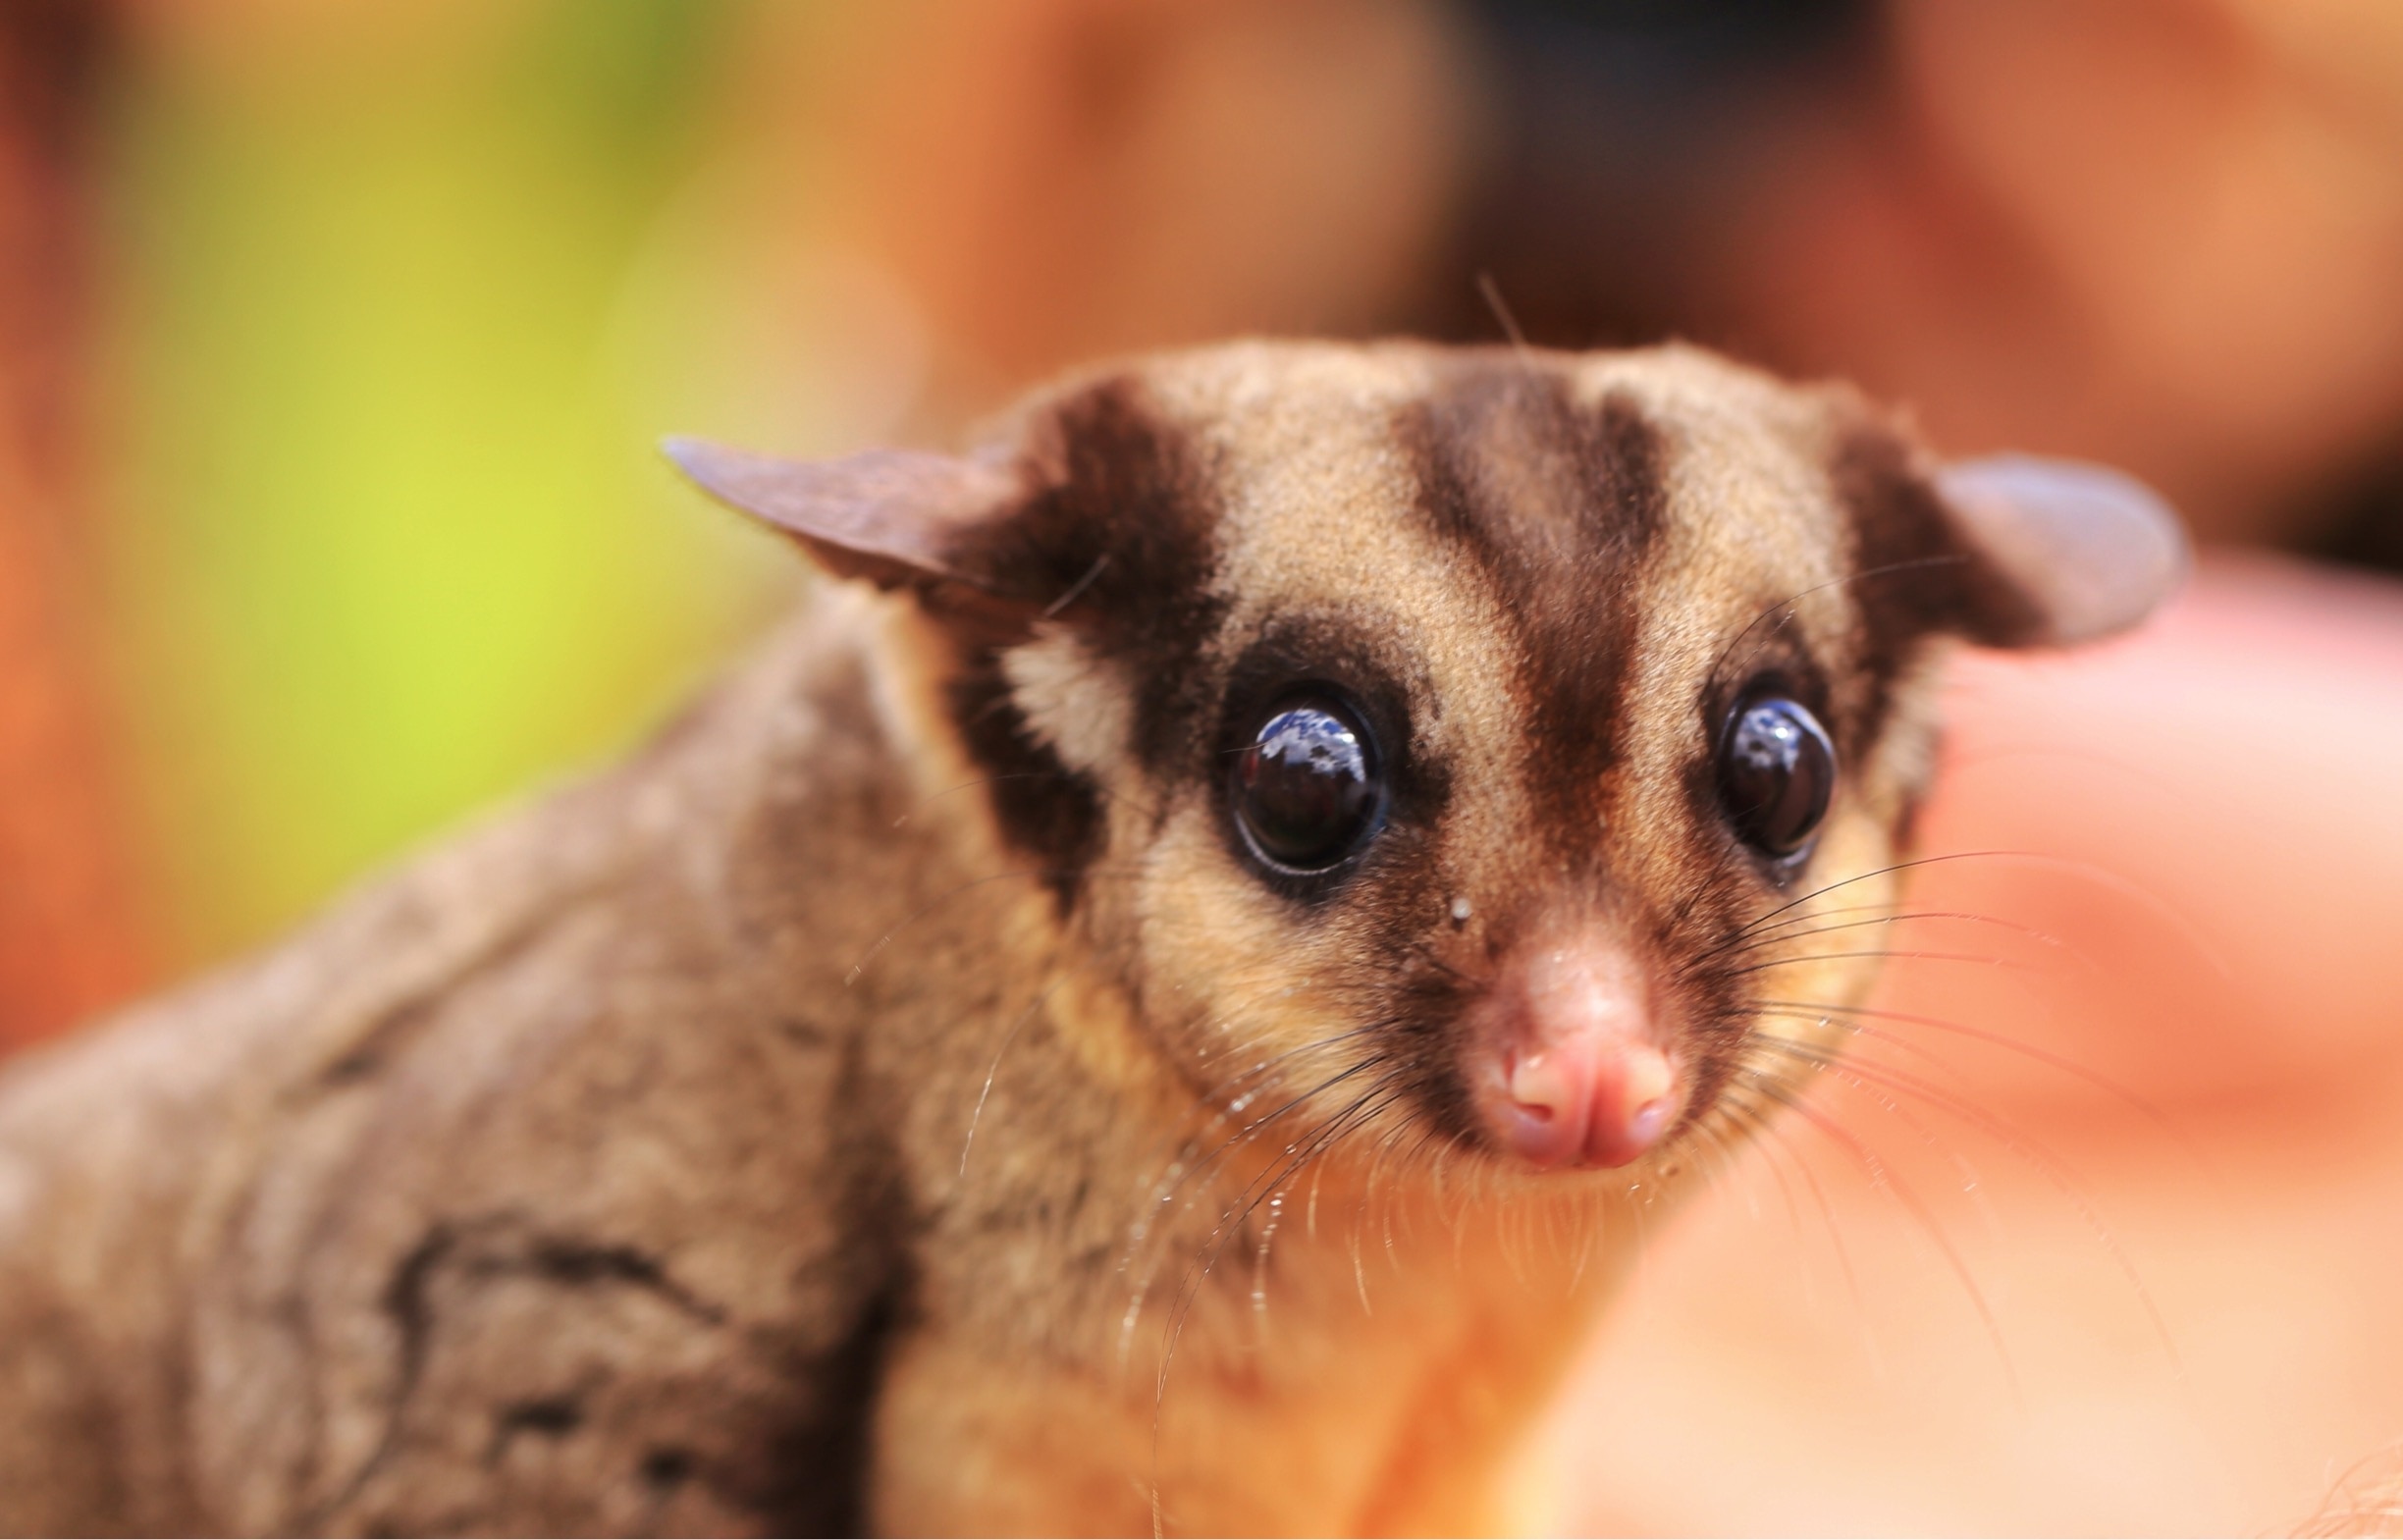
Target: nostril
(1648, 1101)
(1648, 1080)
(1587, 1101)
(1540, 1087)
(1549, 1095)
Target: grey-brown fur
(564, 1117)
(875, 1105)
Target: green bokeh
(389, 542)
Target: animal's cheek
(1224, 966)
(1813, 953)
(1849, 863)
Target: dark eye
(1306, 791)
(1776, 772)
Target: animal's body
(1177, 1015)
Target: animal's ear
(2089, 550)
(895, 518)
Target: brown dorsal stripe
(1558, 503)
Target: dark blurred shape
(66, 912)
(2365, 522)
(2160, 234)
(1615, 131)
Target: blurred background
(334, 339)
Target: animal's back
(517, 1195)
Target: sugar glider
(1167, 1015)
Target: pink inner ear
(2094, 549)
(893, 517)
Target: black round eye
(1776, 772)
(1306, 791)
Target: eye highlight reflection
(1306, 791)
(1776, 772)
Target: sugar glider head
(1480, 742)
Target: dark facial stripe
(1045, 809)
(1124, 523)
(1127, 522)
(1912, 577)
(1558, 503)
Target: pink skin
(1568, 1062)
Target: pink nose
(1573, 1074)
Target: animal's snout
(1569, 1058)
